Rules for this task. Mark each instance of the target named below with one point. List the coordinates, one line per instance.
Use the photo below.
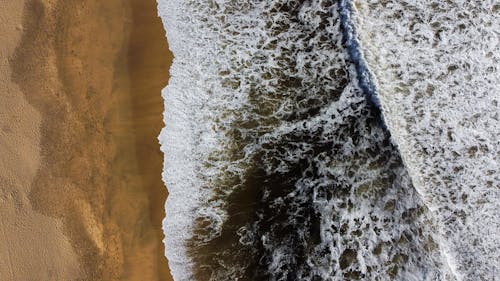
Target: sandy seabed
(80, 109)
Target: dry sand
(80, 108)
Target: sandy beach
(80, 180)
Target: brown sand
(80, 166)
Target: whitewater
(332, 140)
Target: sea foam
(435, 65)
(278, 165)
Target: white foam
(435, 65)
(185, 139)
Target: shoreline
(92, 71)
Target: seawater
(278, 161)
(435, 67)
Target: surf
(277, 159)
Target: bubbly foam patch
(435, 64)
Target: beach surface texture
(80, 110)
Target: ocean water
(436, 69)
(279, 159)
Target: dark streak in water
(354, 49)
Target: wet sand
(82, 171)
